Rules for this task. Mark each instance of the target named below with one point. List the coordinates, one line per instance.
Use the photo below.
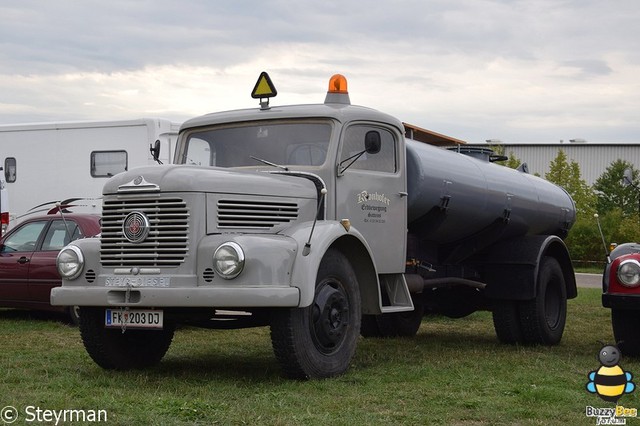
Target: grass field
(452, 372)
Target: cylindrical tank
(453, 196)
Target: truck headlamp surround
(629, 273)
(228, 260)
(70, 262)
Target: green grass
(452, 372)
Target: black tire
(403, 324)
(626, 330)
(74, 315)
(369, 326)
(112, 349)
(506, 321)
(320, 340)
(542, 319)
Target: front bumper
(621, 301)
(246, 297)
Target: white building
(593, 158)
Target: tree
(567, 175)
(613, 194)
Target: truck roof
(340, 112)
(337, 105)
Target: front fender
(305, 268)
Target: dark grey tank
(452, 196)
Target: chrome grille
(166, 244)
(255, 214)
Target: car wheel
(626, 330)
(74, 315)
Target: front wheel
(319, 341)
(112, 349)
(626, 330)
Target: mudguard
(327, 234)
(511, 267)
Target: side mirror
(372, 142)
(155, 151)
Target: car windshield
(297, 143)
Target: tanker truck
(323, 222)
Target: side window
(383, 161)
(108, 163)
(60, 234)
(10, 169)
(25, 238)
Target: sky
(516, 71)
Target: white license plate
(137, 281)
(133, 318)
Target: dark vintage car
(28, 258)
(621, 286)
(621, 293)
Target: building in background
(593, 158)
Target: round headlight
(629, 273)
(228, 260)
(70, 262)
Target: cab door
(371, 193)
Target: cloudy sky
(518, 71)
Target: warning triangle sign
(264, 88)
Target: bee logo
(610, 381)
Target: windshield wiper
(269, 163)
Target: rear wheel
(506, 321)
(542, 319)
(626, 330)
(404, 324)
(320, 340)
(112, 349)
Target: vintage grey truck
(324, 222)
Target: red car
(621, 293)
(28, 258)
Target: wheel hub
(330, 317)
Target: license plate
(137, 281)
(133, 318)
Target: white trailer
(49, 162)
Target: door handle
(23, 260)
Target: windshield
(282, 143)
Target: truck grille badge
(136, 227)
